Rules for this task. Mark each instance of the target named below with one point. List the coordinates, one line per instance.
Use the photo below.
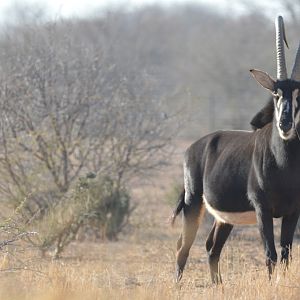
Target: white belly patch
(234, 218)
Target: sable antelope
(247, 177)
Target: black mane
(264, 116)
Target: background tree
(68, 108)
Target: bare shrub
(68, 108)
(15, 238)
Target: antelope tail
(179, 207)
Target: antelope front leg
(288, 227)
(265, 225)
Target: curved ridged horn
(280, 37)
(296, 68)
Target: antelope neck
(284, 151)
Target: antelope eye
(278, 94)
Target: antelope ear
(264, 79)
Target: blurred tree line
(107, 95)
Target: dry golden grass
(141, 264)
(144, 270)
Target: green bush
(172, 195)
(109, 206)
(95, 202)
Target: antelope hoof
(271, 267)
(216, 279)
(178, 274)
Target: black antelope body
(247, 177)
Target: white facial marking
(278, 111)
(234, 218)
(295, 95)
(278, 105)
(295, 106)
